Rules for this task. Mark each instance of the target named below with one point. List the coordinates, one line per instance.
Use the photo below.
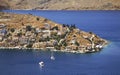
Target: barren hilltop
(61, 4)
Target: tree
(76, 43)
(64, 44)
(64, 25)
(57, 38)
(37, 19)
(73, 26)
(12, 30)
(28, 28)
(45, 20)
(19, 34)
(90, 33)
(8, 35)
(67, 25)
(47, 39)
(56, 28)
(57, 47)
(40, 40)
(29, 45)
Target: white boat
(41, 64)
(52, 58)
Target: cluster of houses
(45, 37)
(29, 36)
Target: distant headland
(18, 31)
(60, 4)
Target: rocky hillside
(61, 4)
(28, 31)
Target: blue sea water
(106, 24)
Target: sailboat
(41, 64)
(52, 56)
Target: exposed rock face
(62, 4)
(28, 31)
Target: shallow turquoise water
(107, 62)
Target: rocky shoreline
(54, 50)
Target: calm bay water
(107, 62)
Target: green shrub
(12, 30)
(37, 19)
(28, 28)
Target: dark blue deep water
(106, 24)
